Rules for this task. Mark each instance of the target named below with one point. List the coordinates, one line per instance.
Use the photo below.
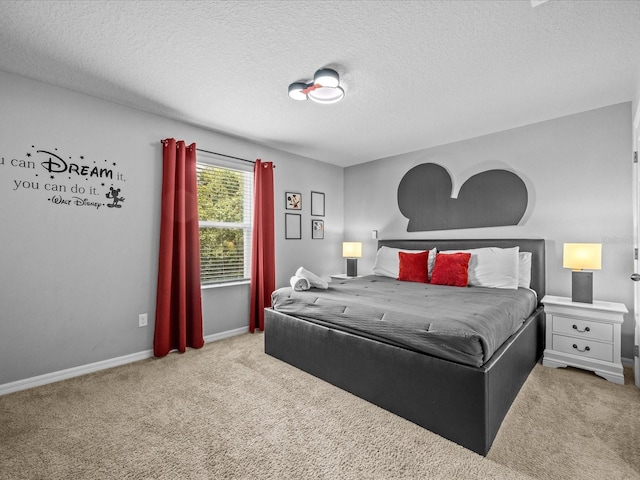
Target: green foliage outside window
(224, 222)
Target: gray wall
(322, 257)
(73, 279)
(578, 171)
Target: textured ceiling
(416, 73)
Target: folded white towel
(314, 280)
(299, 283)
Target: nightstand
(584, 335)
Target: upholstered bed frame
(461, 403)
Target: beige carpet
(571, 424)
(230, 411)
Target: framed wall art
(317, 204)
(292, 226)
(293, 200)
(317, 229)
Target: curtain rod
(221, 154)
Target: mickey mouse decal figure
(113, 193)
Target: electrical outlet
(142, 320)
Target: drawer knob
(586, 349)
(586, 329)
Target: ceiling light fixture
(325, 88)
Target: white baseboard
(72, 372)
(52, 377)
(222, 335)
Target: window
(225, 210)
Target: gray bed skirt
(462, 403)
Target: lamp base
(352, 267)
(582, 287)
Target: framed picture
(317, 204)
(292, 226)
(317, 229)
(293, 200)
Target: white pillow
(493, 267)
(388, 262)
(524, 269)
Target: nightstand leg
(553, 363)
(615, 375)
(612, 377)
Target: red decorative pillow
(451, 269)
(413, 267)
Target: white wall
(578, 173)
(73, 279)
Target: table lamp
(579, 257)
(352, 251)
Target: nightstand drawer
(583, 328)
(583, 348)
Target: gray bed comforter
(466, 325)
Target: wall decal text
(64, 180)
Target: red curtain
(179, 304)
(263, 253)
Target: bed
(462, 399)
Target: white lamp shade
(582, 256)
(352, 249)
